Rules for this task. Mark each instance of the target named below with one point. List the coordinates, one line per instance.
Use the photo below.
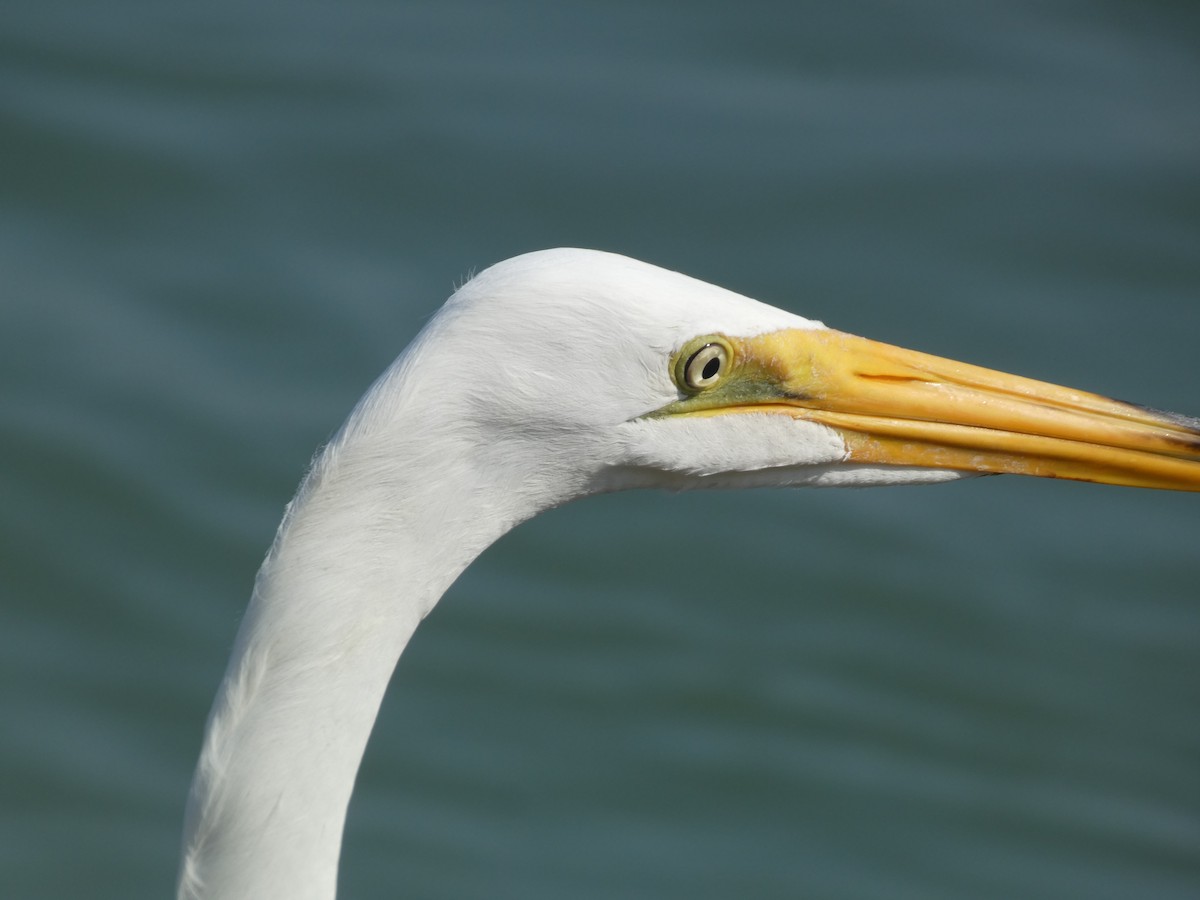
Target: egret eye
(705, 366)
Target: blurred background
(219, 222)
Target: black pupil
(711, 368)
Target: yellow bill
(899, 407)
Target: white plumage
(546, 378)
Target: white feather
(525, 391)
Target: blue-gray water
(219, 221)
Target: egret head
(612, 373)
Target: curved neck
(362, 555)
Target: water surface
(219, 223)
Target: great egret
(545, 378)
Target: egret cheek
(728, 443)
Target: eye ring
(705, 366)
